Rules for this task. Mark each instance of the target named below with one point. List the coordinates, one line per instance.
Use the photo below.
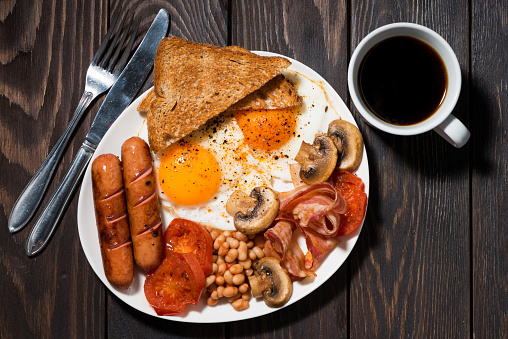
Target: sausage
(142, 204)
(112, 222)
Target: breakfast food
(177, 282)
(255, 212)
(322, 212)
(186, 236)
(277, 93)
(271, 282)
(230, 189)
(111, 219)
(234, 254)
(181, 103)
(142, 203)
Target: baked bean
(240, 304)
(214, 267)
(226, 233)
(210, 280)
(233, 242)
(236, 268)
(251, 236)
(241, 237)
(218, 241)
(211, 301)
(248, 272)
(214, 234)
(222, 268)
(238, 279)
(219, 280)
(259, 252)
(220, 260)
(220, 291)
(231, 256)
(252, 254)
(214, 295)
(230, 291)
(246, 296)
(243, 288)
(223, 249)
(235, 297)
(242, 251)
(228, 277)
(246, 263)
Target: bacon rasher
(315, 210)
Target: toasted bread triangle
(194, 82)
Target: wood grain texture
(431, 260)
(314, 33)
(412, 260)
(44, 60)
(489, 105)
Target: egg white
(243, 168)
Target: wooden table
(431, 260)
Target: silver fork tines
(99, 78)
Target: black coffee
(402, 80)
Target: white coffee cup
(442, 121)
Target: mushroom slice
(349, 142)
(317, 160)
(271, 281)
(253, 213)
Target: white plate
(131, 123)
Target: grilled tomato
(177, 282)
(186, 236)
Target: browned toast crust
(195, 82)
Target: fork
(101, 75)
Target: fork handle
(31, 197)
(53, 211)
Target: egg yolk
(188, 174)
(266, 129)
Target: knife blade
(118, 98)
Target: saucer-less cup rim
(443, 115)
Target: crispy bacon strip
(315, 210)
(294, 262)
(318, 207)
(318, 246)
(279, 236)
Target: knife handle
(31, 197)
(53, 211)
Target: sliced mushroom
(253, 213)
(271, 281)
(317, 160)
(349, 142)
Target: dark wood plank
(316, 35)
(411, 266)
(489, 105)
(44, 57)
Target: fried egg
(239, 151)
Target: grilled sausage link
(142, 204)
(112, 223)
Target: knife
(118, 98)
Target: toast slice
(194, 82)
(277, 93)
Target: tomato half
(352, 189)
(186, 236)
(177, 282)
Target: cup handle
(453, 131)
